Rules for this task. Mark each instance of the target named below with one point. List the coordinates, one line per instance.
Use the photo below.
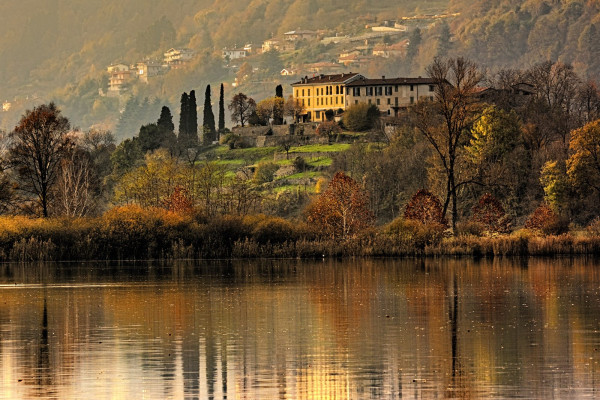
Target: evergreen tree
(279, 91)
(165, 121)
(413, 45)
(209, 119)
(222, 110)
(193, 118)
(183, 116)
(166, 129)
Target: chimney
(383, 77)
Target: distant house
(249, 47)
(355, 60)
(175, 58)
(233, 54)
(320, 67)
(6, 106)
(118, 67)
(294, 36)
(276, 44)
(271, 44)
(147, 69)
(394, 50)
(287, 72)
(118, 82)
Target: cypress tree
(221, 111)
(193, 118)
(183, 118)
(209, 119)
(279, 91)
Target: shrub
(546, 221)
(418, 233)
(489, 213)
(300, 164)
(265, 172)
(361, 117)
(469, 228)
(593, 229)
(425, 207)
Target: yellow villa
(321, 93)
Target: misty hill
(59, 49)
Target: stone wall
(265, 136)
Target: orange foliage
(342, 210)
(426, 208)
(491, 215)
(545, 220)
(179, 201)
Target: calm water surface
(295, 330)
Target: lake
(286, 329)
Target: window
(389, 101)
(318, 102)
(396, 102)
(388, 112)
(336, 100)
(302, 92)
(347, 91)
(378, 102)
(341, 99)
(326, 101)
(431, 88)
(303, 102)
(309, 102)
(379, 91)
(337, 90)
(369, 101)
(412, 88)
(396, 88)
(355, 101)
(317, 114)
(412, 100)
(309, 92)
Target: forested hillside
(59, 49)
(510, 33)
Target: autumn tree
(293, 108)
(583, 166)
(426, 208)
(241, 108)
(546, 221)
(341, 211)
(179, 201)
(491, 215)
(444, 122)
(271, 110)
(40, 143)
(329, 129)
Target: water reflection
(292, 330)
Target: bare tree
(444, 121)
(293, 108)
(241, 108)
(75, 185)
(40, 143)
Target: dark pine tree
(279, 91)
(165, 121)
(222, 111)
(210, 132)
(166, 129)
